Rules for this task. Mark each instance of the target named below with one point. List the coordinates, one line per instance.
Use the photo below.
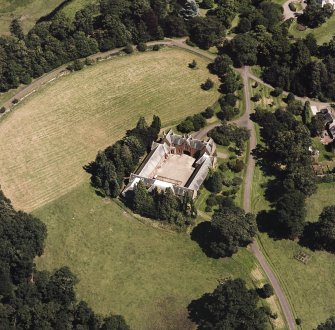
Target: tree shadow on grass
(308, 237)
(197, 311)
(203, 234)
(267, 223)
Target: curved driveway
(242, 121)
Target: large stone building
(177, 162)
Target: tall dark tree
(290, 213)
(230, 306)
(232, 228)
(16, 29)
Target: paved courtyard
(177, 169)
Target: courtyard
(176, 169)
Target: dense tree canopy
(30, 299)
(230, 306)
(328, 325)
(286, 155)
(231, 228)
(324, 229)
(119, 160)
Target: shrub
(15, 101)
(226, 182)
(236, 165)
(208, 209)
(257, 97)
(227, 202)
(190, 43)
(142, 47)
(211, 200)
(214, 182)
(276, 92)
(207, 85)
(292, 6)
(193, 64)
(207, 4)
(228, 112)
(266, 291)
(76, 66)
(237, 181)
(129, 49)
(223, 167)
(156, 48)
(186, 126)
(2, 110)
(88, 61)
(290, 98)
(208, 113)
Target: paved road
(243, 121)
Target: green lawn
(267, 101)
(28, 11)
(325, 196)
(279, 2)
(127, 266)
(75, 5)
(322, 34)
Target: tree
(290, 213)
(114, 322)
(244, 25)
(221, 65)
(208, 113)
(189, 9)
(214, 182)
(207, 85)
(328, 325)
(244, 50)
(84, 20)
(230, 306)
(307, 113)
(207, 4)
(16, 29)
(193, 64)
(206, 32)
(142, 47)
(295, 107)
(230, 83)
(266, 291)
(324, 234)
(232, 228)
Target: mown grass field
(125, 266)
(307, 286)
(61, 127)
(323, 34)
(28, 11)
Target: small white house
(325, 2)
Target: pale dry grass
(47, 139)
